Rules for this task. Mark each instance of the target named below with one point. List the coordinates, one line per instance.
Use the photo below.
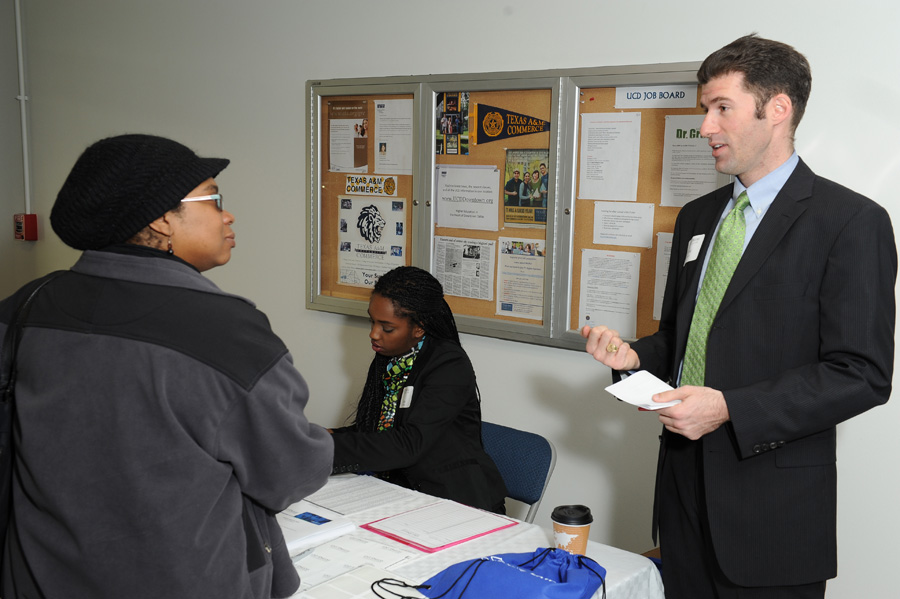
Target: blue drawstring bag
(544, 574)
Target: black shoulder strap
(14, 335)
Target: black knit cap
(121, 184)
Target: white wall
(227, 77)
(17, 259)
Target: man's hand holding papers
(639, 389)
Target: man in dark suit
(801, 339)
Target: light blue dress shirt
(761, 195)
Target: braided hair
(418, 296)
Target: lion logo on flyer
(390, 186)
(493, 124)
(370, 224)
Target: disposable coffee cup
(571, 525)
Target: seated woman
(418, 422)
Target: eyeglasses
(216, 196)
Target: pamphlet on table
(306, 524)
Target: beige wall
(227, 78)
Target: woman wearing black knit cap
(160, 420)
(418, 422)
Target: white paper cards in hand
(639, 388)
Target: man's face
(543, 170)
(741, 143)
(516, 175)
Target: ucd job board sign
(657, 96)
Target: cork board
(652, 134)
(534, 103)
(461, 172)
(334, 190)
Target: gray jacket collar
(148, 270)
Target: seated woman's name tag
(406, 397)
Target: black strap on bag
(7, 405)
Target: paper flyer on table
(351, 495)
(439, 525)
(639, 388)
(329, 561)
(305, 524)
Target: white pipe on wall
(23, 108)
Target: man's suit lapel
(780, 217)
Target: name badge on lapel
(406, 397)
(693, 249)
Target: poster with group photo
(525, 188)
(371, 237)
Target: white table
(628, 575)
(345, 567)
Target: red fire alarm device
(26, 227)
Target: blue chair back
(525, 461)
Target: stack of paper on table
(347, 553)
(365, 498)
(306, 524)
(439, 525)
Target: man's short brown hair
(769, 68)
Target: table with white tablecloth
(346, 566)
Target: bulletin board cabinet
(541, 199)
